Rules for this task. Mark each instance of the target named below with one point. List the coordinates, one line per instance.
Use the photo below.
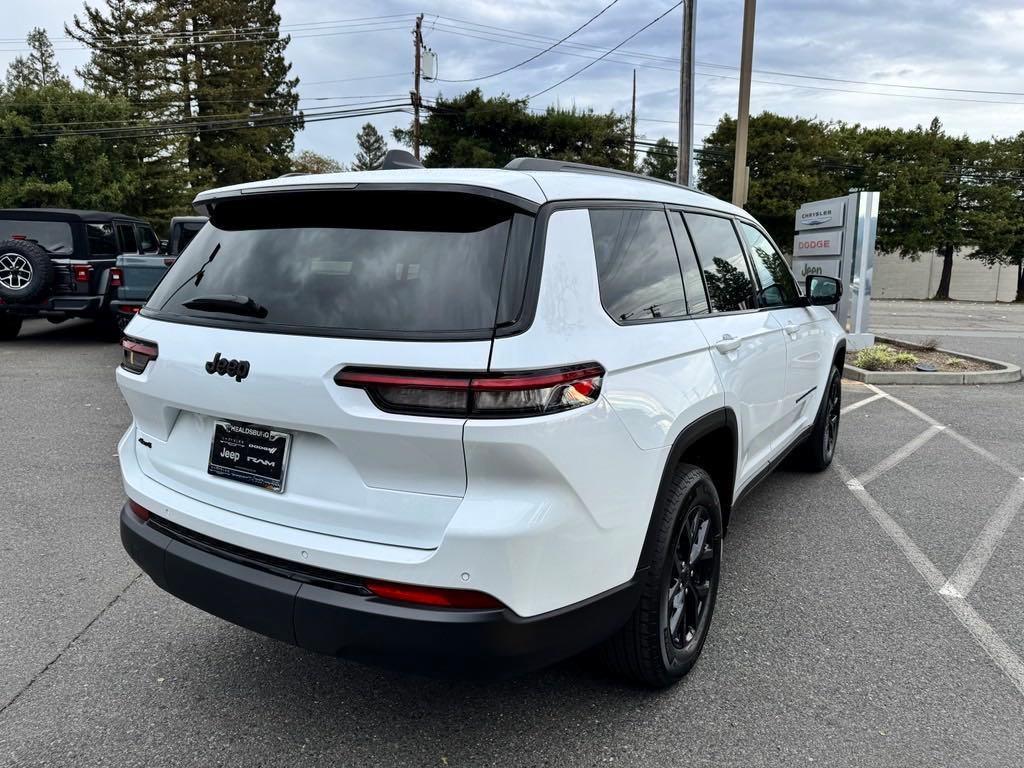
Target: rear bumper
(338, 617)
(66, 306)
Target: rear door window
(720, 254)
(637, 270)
(53, 236)
(148, 242)
(126, 234)
(392, 264)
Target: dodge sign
(818, 244)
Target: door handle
(791, 329)
(728, 344)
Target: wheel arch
(701, 443)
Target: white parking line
(900, 454)
(860, 403)
(967, 573)
(1004, 657)
(965, 441)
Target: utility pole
(739, 170)
(686, 62)
(415, 93)
(632, 129)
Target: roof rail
(542, 164)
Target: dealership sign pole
(836, 238)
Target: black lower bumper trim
(340, 620)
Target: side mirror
(822, 291)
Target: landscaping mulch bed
(943, 361)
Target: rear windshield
(54, 236)
(185, 233)
(350, 263)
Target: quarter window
(126, 232)
(637, 270)
(726, 274)
(102, 240)
(777, 286)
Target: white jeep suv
(468, 421)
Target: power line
(537, 55)
(583, 69)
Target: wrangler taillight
(82, 272)
(116, 277)
(477, 395)
(137, 354)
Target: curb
(1006, 373)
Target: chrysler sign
(810, 244)
(824, 214)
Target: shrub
(882, 357)
(955, 362)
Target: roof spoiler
(399, 159)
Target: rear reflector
(137, 354)
(467, 395)
(140, 511)
(435, 596)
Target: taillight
(439, 597)
(82, 272)
(116, 277)
(466, 395)
(137, 354)
(128, 309)
(140, 511)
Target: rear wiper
(224, 302)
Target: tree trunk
(947, 272)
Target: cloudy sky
(963, 59)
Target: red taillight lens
(129, 310)
(137, 354)
(493, 395)
(116, 277)
(435, 596)
(140, 511)
(82, 272)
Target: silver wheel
(15, 271)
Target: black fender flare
(720, 418)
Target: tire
(26, 272)
(664, 636)
(815, 453)
(122, 319)
(10, 326)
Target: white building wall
(896, 278)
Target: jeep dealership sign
(836, 238)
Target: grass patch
(882, 357)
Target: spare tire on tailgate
(26, 272)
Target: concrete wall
(896, 278)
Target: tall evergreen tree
(128, 63)
(372, 149)
(39, 68)
(245, 104)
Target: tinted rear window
(381, 263)
(102, 241)
(54, 236)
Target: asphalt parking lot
(869, 616)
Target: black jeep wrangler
(59, 264)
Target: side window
(693, 283)
(637, 270)
(148, 242)
(777, 286)
(102, 240)
(126, 234)
(726, 274)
